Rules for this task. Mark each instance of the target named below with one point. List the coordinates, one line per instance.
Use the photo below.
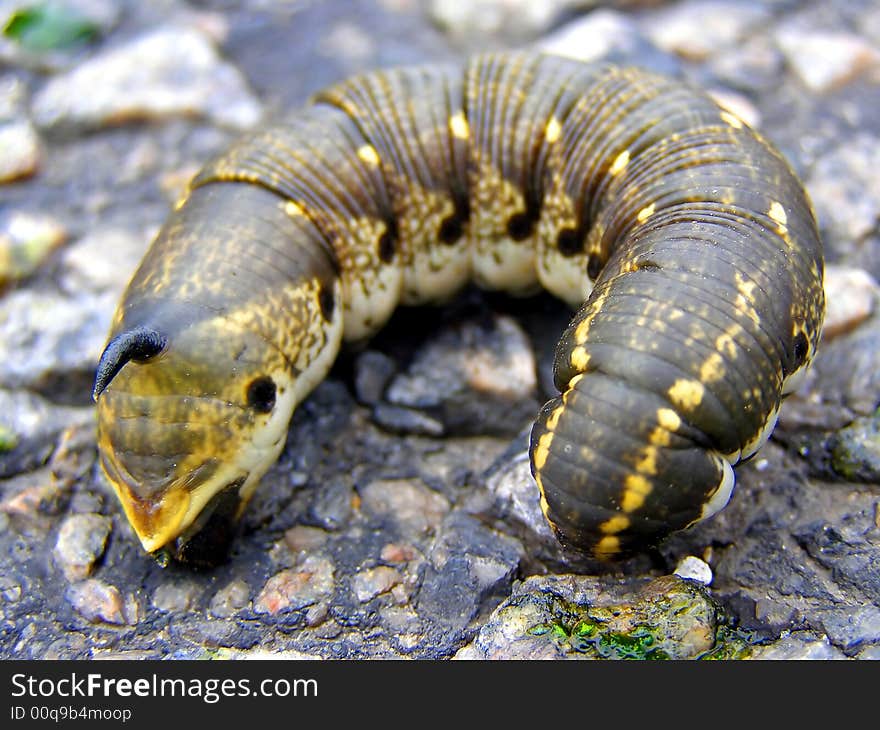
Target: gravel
(168, 72)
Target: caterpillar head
(188, 423)
(217, 338)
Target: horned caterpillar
(683, 239)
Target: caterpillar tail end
(612, 485)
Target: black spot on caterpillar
(683, 239)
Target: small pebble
(230, 599)
(303, 538)
(86, 265)
(469, 357)
(317, 614)
(13, 97)
(81, 542)
(693, 568)
(415, 508)
(851, 296)
(798, 646)
(844, 184)
(825, 60)
(10, 590)
(754, 64)
(349, 41)
(168, 72)
(47, 338)
(297, 588)
(20, 150)
(333, 505)
(699, 29)
(855, 450)
(398, 419)
(370, 583)
(400, 620)
(175, 596)
(489, 573)
(26, 240)
(98, 601)
(34, 494)
(513, 18)
(593, 36)
(518, 498)
(373, 370)
(395, 552)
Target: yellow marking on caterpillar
(580, 358)
(712, 369)
(545, 506)
(573, 382)
(647, 464)
(620, 163)
(646, 213)
(542, 450)
(635, 489)
(687, 394)
(583, 328)
(746, 288)
(553, 421)
(553, 130)
(726, 345)
(777, 213)
(369, 155)
(581, 331)
(615, 524)
(459, 127)
(731, 118)
(293, 209)
(745, 301)
(668, 419)
(608, 545)
(659, 437)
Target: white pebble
(693, 568)
(851, 295)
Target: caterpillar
(682, 238)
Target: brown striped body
(686, 237)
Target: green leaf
(49, 26)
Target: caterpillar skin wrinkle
(684, 240)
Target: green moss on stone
(8, 439)
(670, 618)
(855, 450)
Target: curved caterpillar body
(684, 239)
